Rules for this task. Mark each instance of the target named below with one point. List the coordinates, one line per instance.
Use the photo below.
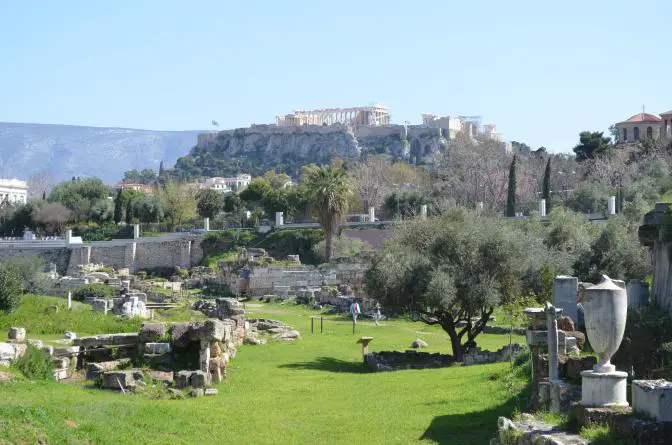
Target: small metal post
(353, 324)
(321, 324)
(311, 324)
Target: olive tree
(453, 271)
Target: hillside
(68, 151)
(260, 148)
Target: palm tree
(329, 191)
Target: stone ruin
(178, 355)
(412, 359)
(591, 390)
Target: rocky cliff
(263, 147)
(68, 151)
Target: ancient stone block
(180, 334)
(118, 379)
(17, 334)
(212, 330)
(182, 380)
(61, 363)
(198, 379)
(99, 305)
(151, 332)
(6, 351)
(653, 398)
(158, 359)
(157, 348)
(211, 391)
(62, 374)
(124, 339)
(162, 376)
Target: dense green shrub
(645, 345)
(343, 247)
(35, 364)
(281, 243)
(93, 291)
(10, 286)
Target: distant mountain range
(106, 153)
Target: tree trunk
(456, 343)
(328, 245)
(455, 339)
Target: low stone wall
(411, 359)
(395, 360)
(60, 256)
(144, 253)
(504, 354)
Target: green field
(314, 390)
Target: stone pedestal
(604, 389)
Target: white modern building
(13, 191)
(227, 185)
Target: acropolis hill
(307, 136)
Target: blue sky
(541, 71)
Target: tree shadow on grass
(329, 364)
(476, 427)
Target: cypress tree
(161, 170)
(129, 213)
(546, 194)
(118, 208)
(511, 197)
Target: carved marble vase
(605, 309)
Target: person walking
(354, 311)
(376, 313)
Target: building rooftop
(644, 117)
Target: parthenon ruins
(372, 115)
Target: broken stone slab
(69, 335)
(95, 369)
(152, 332)
(291, 335)
(17, 334)
(157, 348)
(118, 379)
(211, 391)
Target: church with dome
(645, 125)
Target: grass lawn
(314, 390)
